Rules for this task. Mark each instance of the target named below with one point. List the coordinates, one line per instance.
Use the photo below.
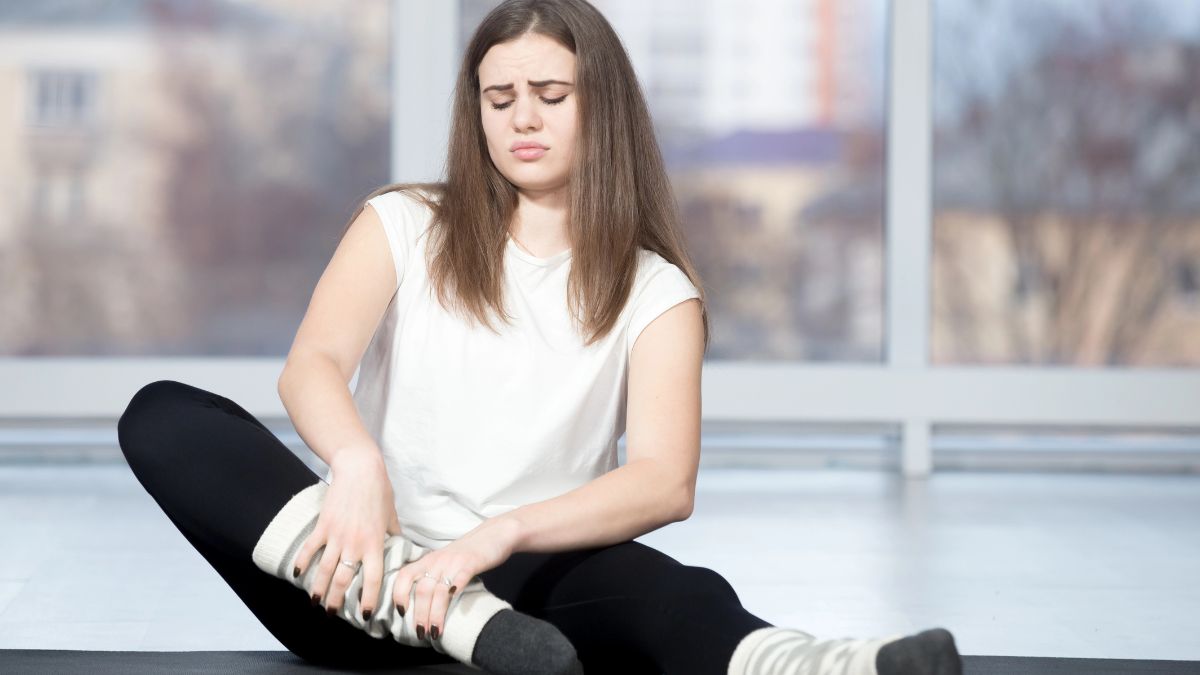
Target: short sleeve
(665, 287)
(403, 218)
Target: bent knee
(147, 413)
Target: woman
(475, 505)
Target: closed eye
(549, 101)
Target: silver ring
(446, 580)
(353, 565)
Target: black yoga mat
(37, 661)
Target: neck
(540, 222)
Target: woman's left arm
(657, 484)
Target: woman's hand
(357, 515)
(481, 549)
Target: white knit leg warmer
(468, 611)
(786, 651)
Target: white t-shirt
(473, 424)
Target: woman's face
(527, 93)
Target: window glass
(1066, 188)
(179, 174)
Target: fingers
(440, 601)
(372, 569)
(319, 589)
(430, 598)
(406, 594)
(339, 576)
(402, 589)
(314, 545)
(327, 554)
(331, 579)
(328, 583)
(426, 587)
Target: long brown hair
(620, 196)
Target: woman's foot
(930, 652)
(519, 644)
(774, 650)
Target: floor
(1017, 564)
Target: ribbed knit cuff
(289, 528)
(849, 656)
(469, 609)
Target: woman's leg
(220, 476)
(630, 608)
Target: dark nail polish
(420, 632)
(330, 611)
(296, 571)
(400, 608)
(452, 589)
(316, 600)
(367, 614)
(434, 632)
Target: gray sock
(512, 643)
(930, 651)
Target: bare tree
(1088, 153)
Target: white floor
(1070, 565)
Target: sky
(977, 43)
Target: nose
(525, 115)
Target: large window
(177, 174)
(1067, 183)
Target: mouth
(530, 152)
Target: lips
(531, 153)
(526, 144)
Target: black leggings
(220, 476)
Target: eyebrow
(532, 83)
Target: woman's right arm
(317, 398)
(358, 511)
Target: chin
(540, 186)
